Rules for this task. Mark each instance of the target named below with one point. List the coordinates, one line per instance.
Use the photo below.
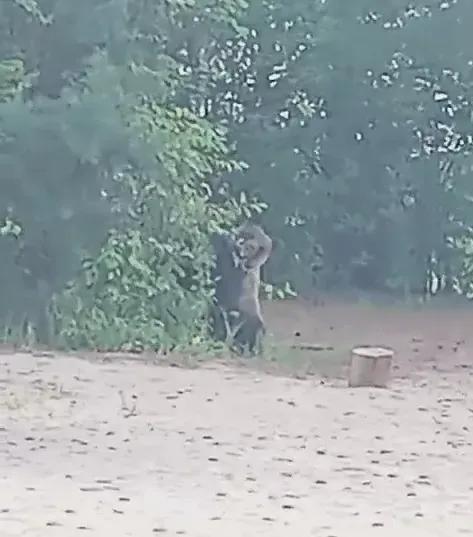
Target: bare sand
(122, 447)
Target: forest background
(130, 130)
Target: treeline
(130, 130)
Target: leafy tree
(117, 176)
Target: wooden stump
(370, 366)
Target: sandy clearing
(215, 451)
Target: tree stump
(370, 366)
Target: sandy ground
(134, 447)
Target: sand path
(135, 449)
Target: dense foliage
(132, 129)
